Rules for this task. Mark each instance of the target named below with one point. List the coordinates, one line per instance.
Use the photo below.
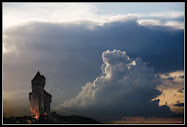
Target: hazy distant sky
(96, 57)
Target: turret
(38, 80)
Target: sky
(107, 61)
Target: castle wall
(47, 103)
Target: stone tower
(39, 99)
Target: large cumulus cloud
(125, 88)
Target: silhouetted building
(39, 99)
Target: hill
(53, 118)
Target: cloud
(157, 47)
(48, 12)
(175, 24)
(155, 23)
(13, 14)
(173, 79)
(182, 77)
(150, 22)
(69, 53)
(172, 88)
(125, 88)
(179, 104)
(123, 18)
(181, 90)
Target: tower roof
(38, 76)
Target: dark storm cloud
(179, 104)
(181, 90)
(182, 77)
(163, 49)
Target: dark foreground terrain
(53, 118)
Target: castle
(39, 99)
